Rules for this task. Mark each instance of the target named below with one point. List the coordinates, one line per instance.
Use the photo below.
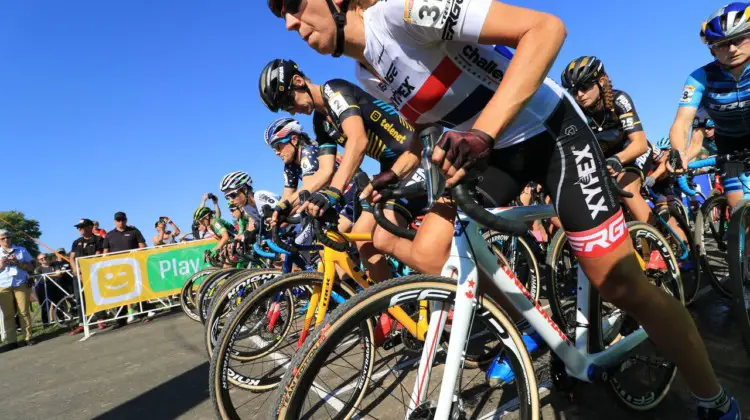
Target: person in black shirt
(123, 237)
(86, 245)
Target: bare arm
(354, 153)
(177, 230)
(318, 180)
(696, 144)
(680, 129)
(638, 146)
(537, 38)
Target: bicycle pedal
(392, 342)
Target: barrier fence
(145, 278)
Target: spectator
(99, 232)
(86, 245)
(40, 288)
(217, 209)
(163, 236)
(123, 238)
(15, 262)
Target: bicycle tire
(64, 313)
(739, 284)
(361, 309)
(187, 293)
(713, 250)
(205, 293)
(529, 266)
(672, 285)
(690, 283)
(218, 288)
(219, 372)
(222, 304)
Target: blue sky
(142, 106)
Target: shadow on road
(168, 400)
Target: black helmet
(580, 71)
(275, 83)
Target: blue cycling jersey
(726, 100)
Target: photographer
(164, 236)
(15, 262)
(210, 196)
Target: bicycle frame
(468, 246)
(321, 294)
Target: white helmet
(235, 180)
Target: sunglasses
(281, 7)
(6, 238)
(121, 220)
(736, 41)
(232, 195)
(583, 87)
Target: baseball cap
(84, 222)
(61, 250)
(120, 215)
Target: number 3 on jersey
(425, 12)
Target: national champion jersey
(388, 134)
(725, 100)
(433, 70)
(308, 165)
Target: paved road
(159, 371)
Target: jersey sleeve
(692, 92)
(340, 100)
(291, 175)
(440, 20)
(629, 119)
(326, 135)
(308, 161)
(218, 228)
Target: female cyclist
(366, 126)
(612, 117)
(437, 65)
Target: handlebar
(277, 244)
(495, 222)
(414, 190)
(262, 253)
(325, 240)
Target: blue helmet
(710, 123)
(727, 22)
(664, 143)
(281, 131)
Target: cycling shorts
(409, 208)
(664, 191)
(567, 160)
(641, 166)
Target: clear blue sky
(142, 106)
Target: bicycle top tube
(524, 213)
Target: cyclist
(437, 67)
(727, 34)
(223, 230)
(614, 120)
(237, 187)
(367, 127)
(702, 139)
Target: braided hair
(607, 94)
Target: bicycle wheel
(333, 375)
(261, 335)
(229, 297)
(711, 225)
(209, 288)
(64, 313)
(189, 290)
(517, 255)
(643, 380)
(738, 269)
(691, 262)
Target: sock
(719, 401)
(524, 327)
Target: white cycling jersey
(435, 71)
(261, 198)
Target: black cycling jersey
(389, 134)
(613, 131)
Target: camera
(212, 197)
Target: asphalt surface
(159, 370)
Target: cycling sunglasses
(736, 41)
(282, 7)
(583, 87)
(232, 195)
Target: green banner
(171, 269)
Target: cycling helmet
(281, 130)
(580, 71)
(275, 83)
(664, 143)
(727, 22)
(235, 180)
(201, 213)
(710, 123)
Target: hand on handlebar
(677, 162)
(385, 179)
(321, 201)
(614, 165)
(457, 152)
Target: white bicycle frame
(468, 246)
